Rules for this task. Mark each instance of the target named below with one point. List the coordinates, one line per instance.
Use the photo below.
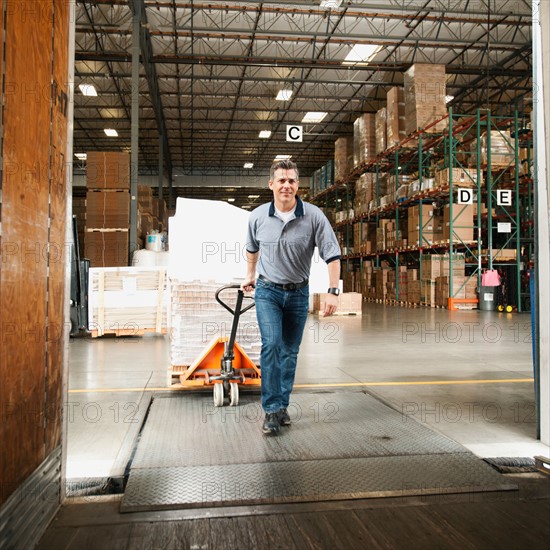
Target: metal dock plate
(340, 446)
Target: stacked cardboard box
(420, 218)
(395, 120)
(197, 318)
(107, 209)
(394, 232)
(348, 303)
(431, 270)
(381, 281)
(365, 190)
(402, 290)
(343, 157)
(381, 136)
(425, 97)
(107, 170)
(413, 295)
(384, 228)
(430, 267)
(367, 279)
(391, 286)
(462, 177)
(463, 222)
(501, 149)
(364, 138)
(463, 288)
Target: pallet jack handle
(237, 312)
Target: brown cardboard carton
(107, 170)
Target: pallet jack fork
(224, 364)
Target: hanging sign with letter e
(504, 197)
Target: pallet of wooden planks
(128, 301)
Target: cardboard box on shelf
(427, 292)
(343, 157)
(381, 136)
(364, 138)
(462, 219)
(395, 121)
(461, 177)
(430, 267)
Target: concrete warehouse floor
(465, 374)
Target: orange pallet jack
(224, 364)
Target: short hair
(284, 165)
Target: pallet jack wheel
(509, 309)
(500, 307)
(233, 394)
(218, 395)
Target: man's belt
(285, 286)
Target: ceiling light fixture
(81, 156)
(331, 4)
(111, 132)
(88, 90)
(264, 134)
(230, 200)
(284, 95)
(283, 157)
(253, 196)
(248, 165)
(449, 98)
(314, 117)
(361, 54)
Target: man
(282, 236)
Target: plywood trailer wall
(33, 240)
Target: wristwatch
(335, 291)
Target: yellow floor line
(331, 385)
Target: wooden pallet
(127, 332)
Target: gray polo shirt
(286, 249)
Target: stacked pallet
(128, 301)
(197, 318)
(395, 116)
(365, 190)
(496, 149)
(420, 223)
(343, 157)
(381, 135)
(462, 177)
(462, 221)
(107, 209)
(425, 97)
(364, 139)
(349, 303)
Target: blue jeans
(282, 315)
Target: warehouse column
(134, 161)
(541, 106)
(161, 176)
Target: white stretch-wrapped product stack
(207, 251)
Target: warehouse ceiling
(210, 72)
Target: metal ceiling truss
(211, 70)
